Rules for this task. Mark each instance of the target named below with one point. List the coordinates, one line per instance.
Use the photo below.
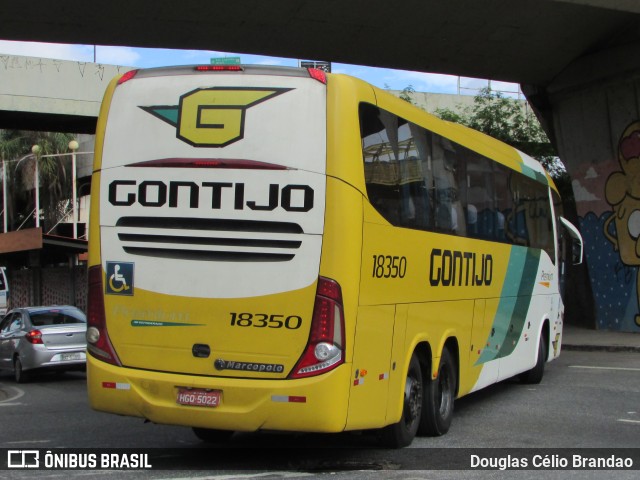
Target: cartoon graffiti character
(622, 192)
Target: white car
(50, 338)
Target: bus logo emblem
(119, 278)
(212, 117)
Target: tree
(505, 119)
(55, 181)
(406, 93)
(510, 121)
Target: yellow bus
(285, 249)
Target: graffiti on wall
(622, 192)
(611, 223)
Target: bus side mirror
(577, 244)
(576, 253)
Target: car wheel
(402, 433)
(438, 398)
(209, 435)
(20, 375)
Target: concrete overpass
(52, 95)
(576, 60)
(64, 96)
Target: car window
(56, 317)
(6, 322)
(16, 322)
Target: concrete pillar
(592, 112)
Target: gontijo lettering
(451, 268)
(156, 193)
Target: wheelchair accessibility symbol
(119, 278)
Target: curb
(601, 348)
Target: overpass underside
(52, 95)
(47, 122)
(577, 60)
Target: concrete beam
(56, 95)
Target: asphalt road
(586, 400)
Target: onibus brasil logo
(213, 117)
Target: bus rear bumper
(315, 404)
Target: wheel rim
(412, 401)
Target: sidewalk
(578, 338)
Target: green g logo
(213, 117)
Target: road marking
(92, 474)
(624, 369)
(27, 441)
(624, 420)
(248, 476)
(5, 404)
(19, 393)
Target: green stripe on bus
(514, 304)
(153, 323)
(522, 303)
(535, 175)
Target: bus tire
(534, 376)
(209, 435)
(439, 395)
(402, 433)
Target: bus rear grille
(209, 239)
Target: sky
(159, 57)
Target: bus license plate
(199, 398)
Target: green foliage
(509, 121)
(54, 174)
(406, 93)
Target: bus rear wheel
(439, 395)
(209, 435)
(535, 375)
(402, 433)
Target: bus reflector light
(116, 385)
(288, 399)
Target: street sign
(320, 65)
(225, 61)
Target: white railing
(73, 146)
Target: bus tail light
(98, 343)
(126, 76)
(219, 68)
(317, 74)
(325, 349)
